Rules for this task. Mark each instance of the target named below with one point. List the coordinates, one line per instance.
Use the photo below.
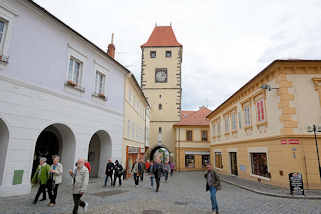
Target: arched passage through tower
(162, 152)
(4, 141)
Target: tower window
(160, 106)
(159, 130)
(160, 96)
(153, 54)
(168, 54)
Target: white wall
(33, 95)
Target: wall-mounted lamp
(267, 87)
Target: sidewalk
(269, 190)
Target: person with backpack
(141, 169)
(135, 171)
(109, 172)
(56, 171)
(213, 184)
(157, 171)
(41, 177)
(118, 172)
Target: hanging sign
(133, 150)
(296, 183)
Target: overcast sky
(225, 43)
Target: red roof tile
(194, 118)
(162, 36)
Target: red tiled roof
(162, 36)
(194, 118)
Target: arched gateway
(4, 141)
(162, 152)
(56, 139)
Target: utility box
(17, 177)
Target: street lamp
(316, 129)
(267, 87)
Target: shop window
(189, 161)
(259, 164)
(218, 160)
(260, 110)
(205, 160)
(204, 135)
(189, 135)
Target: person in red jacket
(147, 165)
(87, 164)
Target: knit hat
(43, 159)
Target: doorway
(233, 159)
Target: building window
(259, 164)
(227, 123)
(260, 110)
(205, 160)
(160, 107)
(204, 135)
(3, 29)
(75, 71)
(214, 128)
(233, 117)
(189, 135)
(219, 127)
(161, 75)
(247, 115)
(218, 160)
(153, 54)
(168, 54)
(159, 130)
(133, 130)
(189, 161)
(100, 83)
(128, 128)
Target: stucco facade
(266, 130)
(37, 96)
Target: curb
(273, 194)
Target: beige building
(192, 140)
(161, 84)
(136, 123)
(260, 133)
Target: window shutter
(258, 108)
(71, 63)
(97, 82)
(262, 110)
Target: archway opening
(99, 152)
(56, 139)
(161, 152)
(4, 141)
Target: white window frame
(218, 151)
(247, 115)
(258, 150)
(233, 120)
(213, 128)
(257, 110)
(227, 123)
(80, 57)
(71, 74)
(100, 85)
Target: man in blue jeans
(213, 184)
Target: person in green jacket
(41, 176)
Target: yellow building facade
(192, 140)
(161, 84)
(136, 131)
(260, 132)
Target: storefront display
(189, 161)
(259, 164)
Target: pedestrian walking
(118, 172)
(80, 176)
(157, 171)
(141, 169)
(136, 172)
(41, 177)
(213, 184)
(172, 165)
(167, 169)
(151, 174)
(56, 171)
(109, 172)
(147, 166)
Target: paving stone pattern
(184, 193)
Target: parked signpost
(296, 183)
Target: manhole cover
(152, 212)
(109, 193)
(180, 203)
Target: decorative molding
(317, 83)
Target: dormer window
(153, 54)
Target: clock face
(161, 75)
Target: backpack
(87, 165)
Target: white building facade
(59, 94)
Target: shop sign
(290, 141)
(296, 183)
(132, 150)
(197, 153)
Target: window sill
(74, 86)
(247, 128)
(263, 123)
(100, 96)
(261, 177)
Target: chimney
(111, 47)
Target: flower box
(101, 96)
(71, 83)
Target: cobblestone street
(184, 193)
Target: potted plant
(71, 83)
(101, 96)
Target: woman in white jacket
(56, 171)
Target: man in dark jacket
(109, 172)
(118, 172)
(157, 171)
(141, 168)
(212, 184)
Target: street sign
(296, 183)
